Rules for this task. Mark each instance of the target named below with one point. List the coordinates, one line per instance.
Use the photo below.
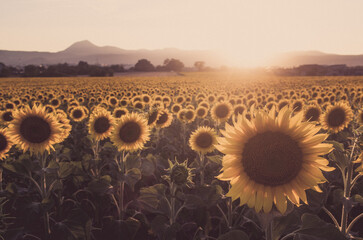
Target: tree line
(83, 68)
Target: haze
(248, 32)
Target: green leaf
(132, 176)
(234, 235)
(337, 145)
(150, 197)
(358, 198)
(204, 196)
(132, 161)
(99, 186)
(216, 159)
(148, 166)
(313, 226)
(16, 167)
(340, 158)
(284, 225)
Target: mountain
(107, 55)
(292, 59)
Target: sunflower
(130, 133)
(272, 158)
(139, 105)
(100, 124)
(34, 129)
(153, 117)
(221, 111)
(203, 140)
(119, 112)
(66, 127)
(189, 115)
(78, 114)
(282, 104)
(297, 106)
(55, 102)
(176, 108)
(165, 119)
(201, 112)
(179, 173)
(5, 143)
(6, 116)
(312, 113)
(336, 117)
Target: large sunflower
(337, 117)
(5, 143)
(203, 140)
(100, 124)
(34, 129)
(131, 132)
(270, 159)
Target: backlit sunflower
(34, 130)
(203, 140)
(130, 133)
(5, 143)
(272, 158)
(221, 111)
(100, 124)
(336, 117)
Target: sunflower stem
(43, 162)
(347, 190)
(331, 216)
(202, 166)
(173, 189)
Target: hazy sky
(247, 30)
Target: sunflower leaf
(216, 159)
(132, 176)
(337, 145)
(313, 226)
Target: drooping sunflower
(272, 158)
(203, 140)
(165, 118)
(35, 130)
(221, 111)
(179, 173)
(100, 124)
(336, 117)
(5, 143)
(312, 113)
(130, 133)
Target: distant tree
(82, 68)
(144, 65)
(33, 71)
(200, 65)
(173, 65)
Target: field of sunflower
(197, 156)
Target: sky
(246, 31)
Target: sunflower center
(162, 119)
(153, 116)
(336, 117)
(204, 140)
(8, 116)
(35, 129)
(201, 112)
(189, 115)
(102, 124)
(77, 114)
(272, 158)
(113, 101)
(119, 113)
(130, 132)
(312, 114)
(221, 111)
(3, 142)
